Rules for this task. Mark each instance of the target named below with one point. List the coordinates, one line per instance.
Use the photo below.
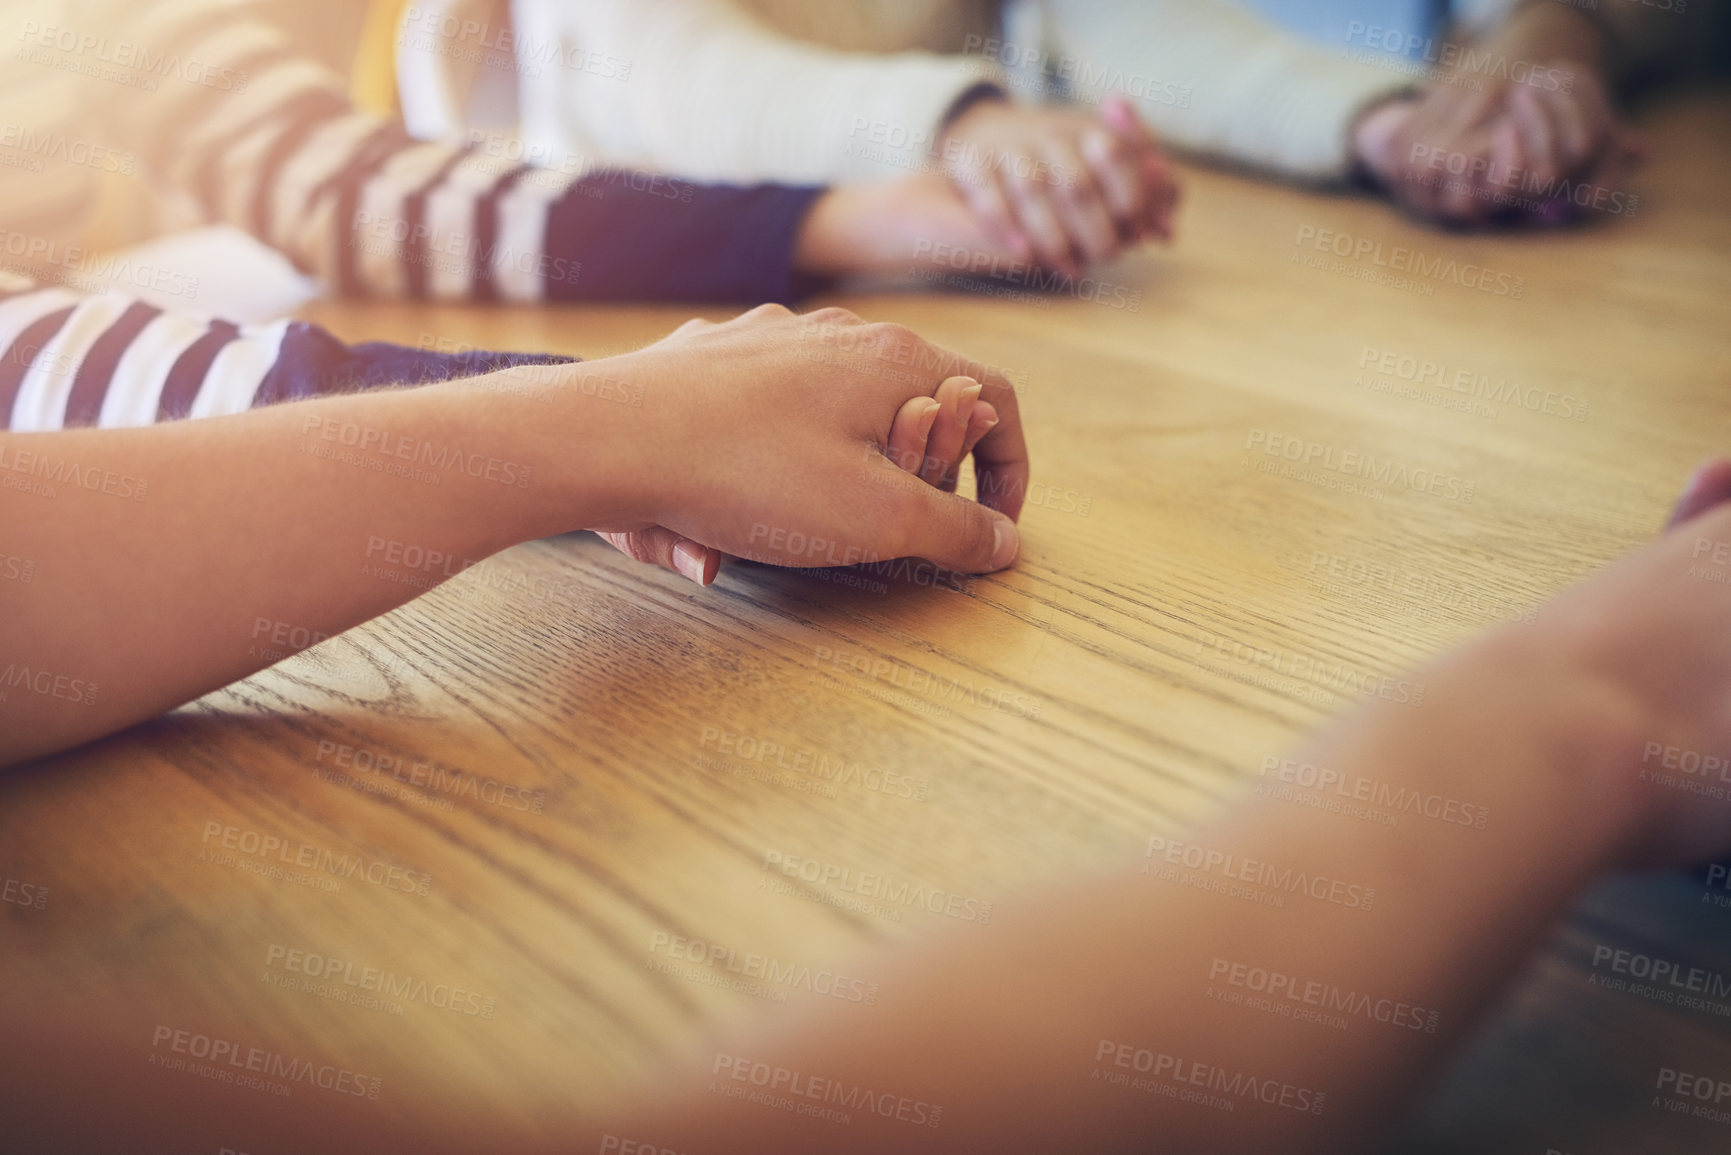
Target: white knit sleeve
(1210, 77)
(702, 88)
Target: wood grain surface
(579, 759)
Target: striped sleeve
(267, 140)
(68, 361)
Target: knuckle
(834, 315)
(976, 531)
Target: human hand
(1653, 634)
(1061, 187)
(1465, 157)
(929, 438)
(773, 430)
(895, 228)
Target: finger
(659, 546)
(1119, 173)
(1536, 134)
(1082, 206)
(1456, 201)
(1578, 139)
(1038, 218)
(1631, 147)
(1121, 117)
(1709, 486)
(1157, 175)
(984, 193)
(909, 431)
(1506, 157)
(954, 532)
(956, 397)
(1155, 181)
(985, 416)
(1001, 457)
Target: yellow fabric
(373, 87)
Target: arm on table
(1028, 1032)
(155, 551)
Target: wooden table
(527, 793)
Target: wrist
(1566, 724)
(1542, 30)
(984, 95)
(578, 428)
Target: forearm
(155, 554)
(1217, 79)
(1031, 1032)
(709, 94)
(1541, 31)
(356, 201)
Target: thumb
(958, 533)
(660, 546)
(1709, 486)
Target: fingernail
(929, 416)
(1006, 542)
(970, 394)
(688, 560)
